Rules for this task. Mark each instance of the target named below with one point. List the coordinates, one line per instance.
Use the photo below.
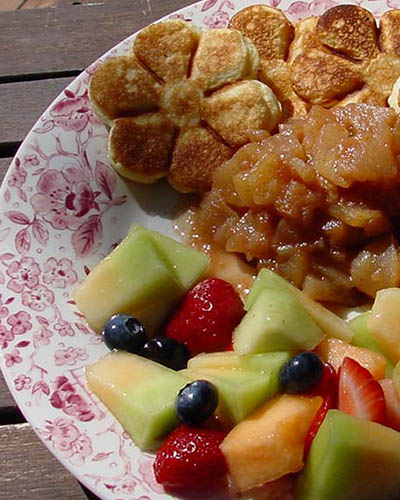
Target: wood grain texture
(6, 400)
(23, 102)
(43, 40)
(28, 470)
(4, 164)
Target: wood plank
(43, 41)
(28, 470)
(6, 400)
(23, 102)
(10, 4)
(4, 164)
(37, 4)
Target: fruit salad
(275, 397)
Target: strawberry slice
(360, 394)
(316, 422)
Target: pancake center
(181, 101)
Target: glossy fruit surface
(167, 352)
(360, 394)
(124, 333)
(301, 373)
(190, 458)
(207, 316)
(196, 402)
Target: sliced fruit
(266, 362)
(384, 324)
(270, 442)
(140, 393)
(360, 394)
(142, 277)
(364, 338)
(351, 459)
(302, 373)
(392, 403)
(319, 417)
(332, 325)
(187, 264)
(396, 378)
(207, 316)
(276, 322)
(240, 391)
(333, 351)
(196, 402)
(190, 458)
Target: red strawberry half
(360, 394)
(207, 316)
(190, 458)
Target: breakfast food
(181, 103)
(316, 202)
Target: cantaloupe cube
(334, 351)
(270, 442)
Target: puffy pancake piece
(276, 74)
(394, 99)
(181, 101)
(269, 29)
(237, 110)
(167, 48)
(322, 78)
(121, 87)
(366, 95)
(304, 37)
(223, 56)
(382, 72)
(196, 155)
(350, 30)
(140, 147)
(389, 37)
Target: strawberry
(207, 316)
(392, 401)
(316, 422)
(190, 458)
(359, 393)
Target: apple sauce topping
(319, 203)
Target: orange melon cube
(270, 442)
(334, 351)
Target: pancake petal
(239, 109)
(140, 147)
(389, 37)
(121, 87)
(167, 48)
(224, 56)
(196, 155)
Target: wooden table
(41, 51)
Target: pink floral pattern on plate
(62, 209)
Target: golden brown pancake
(389, 37)
(167, 48)
(269, 29)
(305, 37)
(234, 111)
(223, 56)
(121, 87)
(139, 147)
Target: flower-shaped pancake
(181, 103)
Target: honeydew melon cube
(351, 458)
(276, 321)
(270, 362)
(140, 393)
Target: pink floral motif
(73, 113)
(64, 329)
(301, 9)
(31, 160)
(63, 197)
(65, 398)
(42, 337)
(69, 356)
(17, 177)
(66, 438)
(23, 273)
(126, 486)
(3, 309)
(5, 337)
(19, 322)
(12, 358)
(146, 471)
(59, 273)
(22, 382)
(218, 19)
(38, 298)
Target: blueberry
(125, 333)
(301, 373)
(167, 352)
(196, 402)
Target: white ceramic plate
(62, 209)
